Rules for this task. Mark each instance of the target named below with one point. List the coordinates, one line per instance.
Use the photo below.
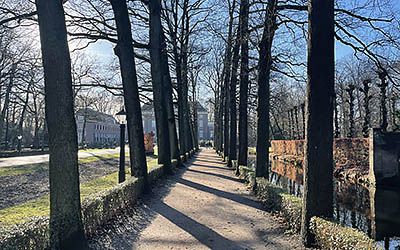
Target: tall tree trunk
(263, 108)
(6, 135)
(226, 76)
(126, 55)
(350, 92)
(66, 227)
(178, 71)
(159, 94)
(367, 112)
(167, 84)
(232, 102)
(244, 84)
(185, 71)
(220, 130)
(382, 86)
(23, 112)
(393, 103)
(186, 109)
(296, 116)
(6, 101)
(36, 122)
(217, 118)
(336, 114)
(290, 124)
(318, 161)
(303, 121)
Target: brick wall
(349, 155)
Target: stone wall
(350, 155)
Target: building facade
(149, 121)
(96, 129)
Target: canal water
(374, 211)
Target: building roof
(96, 116)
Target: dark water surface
(374, 210)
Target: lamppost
(19, 137)
(121, 173)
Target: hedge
(328, 234)
(96, 211)
(275, 199)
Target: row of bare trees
(21, 89)
(153, 39)
(275, 65)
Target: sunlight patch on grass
(24, 169)
(41, 206)
(102, 157)
(23, 212)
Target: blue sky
(103, 50)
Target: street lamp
(19, 137)
(122, 118)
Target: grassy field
(26, 169)
(40, 207)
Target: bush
(31, 235)
(96, 211)
(330, 235)
(276, 200)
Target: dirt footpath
(202, 207)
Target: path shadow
(216, 175)
(230, 196)
(204, 234)
(122, 231)
(213, 167)
(208, 161)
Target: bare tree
(263, 109)
(66, 227)
(124, 51)
(244, 83)
(159, 93)
(318, 161)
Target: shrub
(99, 209)
(30, 235)
(276, 200)
(330, 235)
(96, 211)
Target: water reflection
(375, 211)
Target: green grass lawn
(26, 169)
(100, 158)
(41, 206)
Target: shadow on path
(216, 175)
(223, 194)
(204, 234)
(213, 167)
(209, 160)
(177, 214)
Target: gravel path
(201, 207)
